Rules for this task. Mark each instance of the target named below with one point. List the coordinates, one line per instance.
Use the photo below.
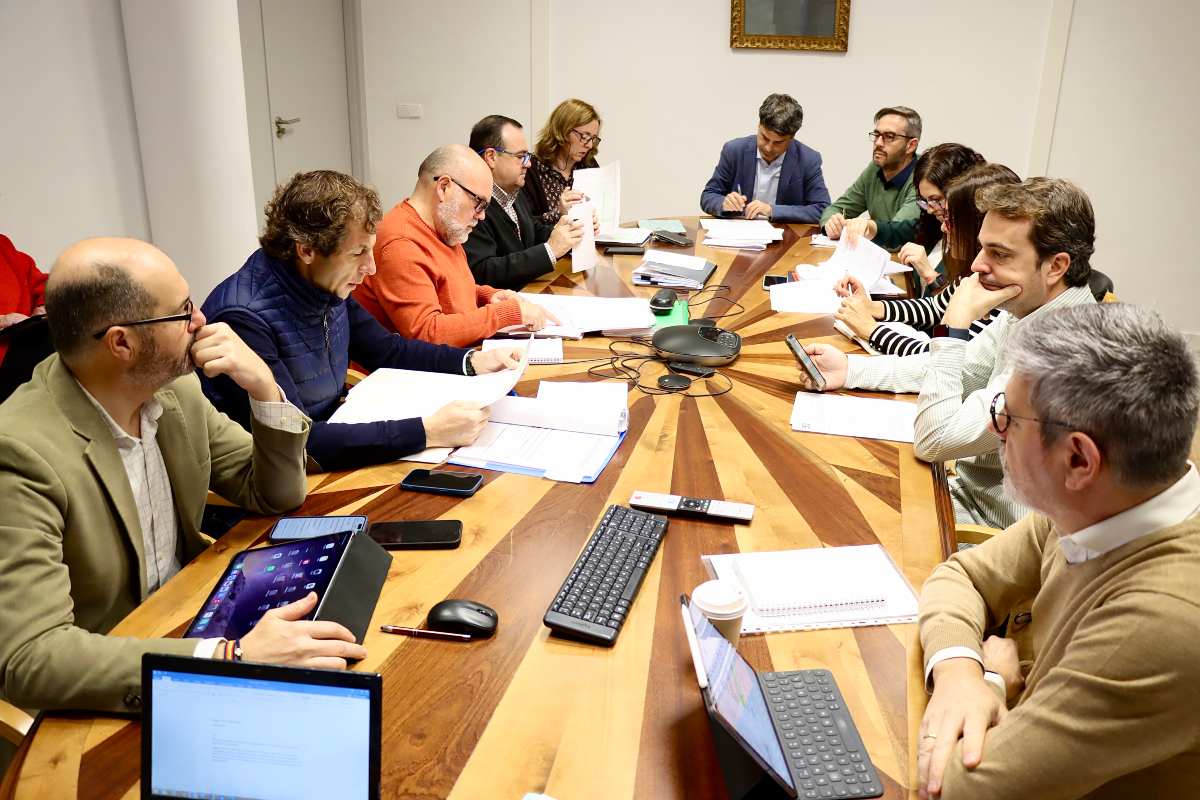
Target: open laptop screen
(735, 697)
(258, 731)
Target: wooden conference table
(524, 712)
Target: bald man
(423, 287)
(106, 457)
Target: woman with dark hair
(961, 222)
(568, 141)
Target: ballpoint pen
(421, 633)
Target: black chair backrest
(1100, 284)
(28, 345)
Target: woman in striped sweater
(961, 222)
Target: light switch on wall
(408, 110)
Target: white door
(297, 99)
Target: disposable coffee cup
(724, 604)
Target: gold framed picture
(790, 24)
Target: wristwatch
(468, 367)
(953, 333)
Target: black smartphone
(797, 349)
(461, 484)
(294, 529)
(670, 237)
(770, 280)
(624, 250)
(434, 534)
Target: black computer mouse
(663, 301)
(463, 616)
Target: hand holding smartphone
(814, 374)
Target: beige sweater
(1111, 706)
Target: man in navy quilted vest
(291, 303)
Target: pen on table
(421, 633)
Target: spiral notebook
(818, 587)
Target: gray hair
(77, 309)
(912, 120)
(1117, 373)
(781, 113)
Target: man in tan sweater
(1095, 425)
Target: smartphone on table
(434, 534)
(771, 280)
(461, 484)
(294, 529)
(806, 362)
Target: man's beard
(1010, 489)
(156, 368)
(454, 232)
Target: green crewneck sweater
(1111, 705)
(893, 207)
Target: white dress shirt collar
(1169, 507)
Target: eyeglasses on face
(887, 136)
(186, 314)
(1001, 418)
(585, 137)
(524, 156)
(480, 202)
(930, 206)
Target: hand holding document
(813, 293)
(601, 187)
(580, 314)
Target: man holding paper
(424, 288)
(769, 175)
(291, 304)
(1036, 242)
(510, 247)
(1095, 425)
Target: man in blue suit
(770, 175)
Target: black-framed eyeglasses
(585, 137)
(524, 156)
(887, 136)
(930, 206)
(1001, 418)
(186, 314)
(481, 203)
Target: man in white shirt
(106, 458)
(1036, 242)
(1095, 424)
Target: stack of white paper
(742, 234)
(675, 270)
(580, 314)
(541, 351)
(569, 432)
(861, 417)
(633, 237)
(389, 394)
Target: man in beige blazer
(106, 457)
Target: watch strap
(945, 331)
(468, 367)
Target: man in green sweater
(885, 188)
(1095, 424)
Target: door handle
(282, 124)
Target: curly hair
(553, 137)
(313, 209)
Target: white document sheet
(806, 296)
(634, 237)
(753, 229)
(602, 185)
(821, 240)
(668, 225)
(580, 314)
(672, 259)
(541, 351)
(861, 417)
(583, 255)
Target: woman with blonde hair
(568, 141)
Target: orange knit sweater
(424, 289)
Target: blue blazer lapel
(746, 171)
(792, 169)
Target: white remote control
(723, 509)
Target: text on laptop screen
(737, 696)
(216, 736)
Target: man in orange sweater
(423, 287)
(1095, 426)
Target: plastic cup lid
(720, 599)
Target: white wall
(1126, 131)
(69, 163)
(461, 60)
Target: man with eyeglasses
(769, 175)
(885, 188)
(1094, 424)
(1036, 244)
(423, 287)
(510, 247)
(106, 458)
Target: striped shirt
(957, 381)
(923, 314)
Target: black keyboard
(595, 597)
(822, 746)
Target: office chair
(1102, 287)
(14, 723)
(28, 344)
